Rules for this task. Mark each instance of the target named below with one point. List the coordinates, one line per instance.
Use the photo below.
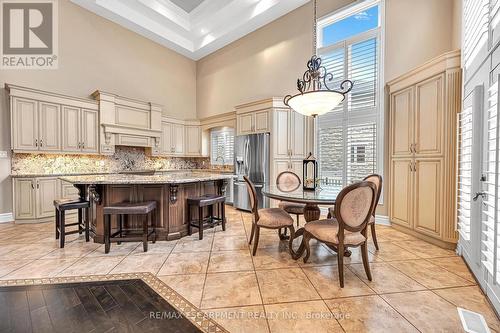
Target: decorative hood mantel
(127, 122)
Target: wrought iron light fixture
(315, 97)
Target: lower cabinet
(34, 197)
(416, 194)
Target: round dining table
(325, 196)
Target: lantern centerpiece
(310, 173)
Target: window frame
(359, 117)
(216, 131)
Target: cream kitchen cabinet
(290, 134)
(193, 140)
(172, 139)
(35, 125)
(80, 130)
(34, 197)
(253, 122)
(423, 114)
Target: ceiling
(194, 28)
(188, 5)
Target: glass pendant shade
(315, 103)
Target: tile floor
(416, 286)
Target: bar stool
(146, 209)
(61, 207)
(207, 200)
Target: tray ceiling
(197, 29)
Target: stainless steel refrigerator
(251, 159)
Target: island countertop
(131, 179)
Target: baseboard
(383, 220)
(6, 218)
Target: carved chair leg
(256, 240)
(252, 233)
(306, 238)
(366, 264)
(298, 222)
(340, 257)
(290, 241)
(374, 235)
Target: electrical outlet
(3, 154)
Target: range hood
(127, 122)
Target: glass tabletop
(325, 195)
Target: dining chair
(354, 207)
(269, 218)
(290, 181)
(377, 180)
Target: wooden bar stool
(83, 224)
(207, 200)
(124, 209)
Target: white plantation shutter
(363, 64)
(464, 189)
(495, 20)
(489, 214)
(364, 160)
(222, 147)
(351, 128)
(475, 40)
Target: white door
(479, 240)
(470, 138)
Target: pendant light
(315, 97)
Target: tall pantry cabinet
(422, 123)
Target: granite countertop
(164, 178)
(31, 175)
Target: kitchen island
(169, 190)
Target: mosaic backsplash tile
(124, 159)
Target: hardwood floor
(110, 306)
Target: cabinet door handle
(83, 145)
(36, 142)
(37, 184)
(32, 185)
(41, 143)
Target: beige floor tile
(285, 285)
(312, 316)
(368, 314)
(193, 244)
(425, 250)
(92, 266)
(387, 234)
(455, 265)
(320, 255)
(269, 238)
(140, 263)
(73, 250)
(325, 280)
(471, 298)
(391, 251)
(356, 257)
(230, 290)
(246, 319)
(31, 251)
(116, 250)
(6, 248)
(426, 311)
(232, 229)
(185, 263)
(230, 261)
(160, 247)
(271, 258)
(385, 278)
(429, 275)
(40, 268)
(7, 266)
(229, 243)
(189, 286)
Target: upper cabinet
(180, 138)
(255, 117)
(290, 134)
(193, 140)
(50, 123)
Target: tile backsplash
(124, 159)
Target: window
(222, 146)
(350, 137)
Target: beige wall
(97, 54)
(268, 61)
